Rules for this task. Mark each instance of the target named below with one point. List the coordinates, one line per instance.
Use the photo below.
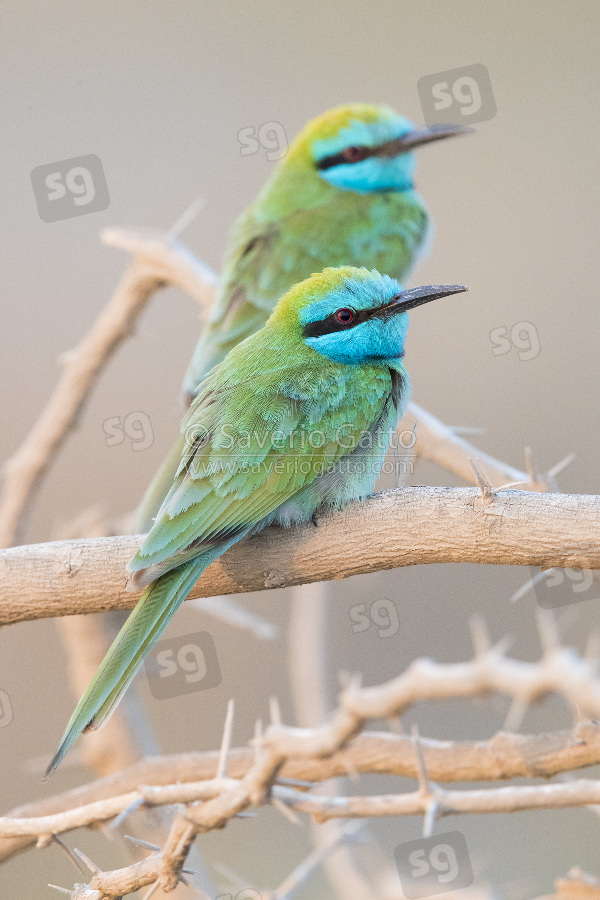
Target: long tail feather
(136, 638)
(158, 487)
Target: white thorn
(528, 586)
(258, 739)
(275, 711)
(560, 466)
(547, 630)
(430, 818)
(145, 844)
(285, 811)
(515, 714)
(479, 635)
(152, 890)
(126, 812)
(530, 465)
(226, 741)
(185, 219)
(510, 484)
(424, 782)
(483, 482)
(91, 865)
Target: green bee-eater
(342, 195)
(295, 419)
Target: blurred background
(160, 93)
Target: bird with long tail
(296, 419)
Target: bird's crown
(360, 124)
(322, 293)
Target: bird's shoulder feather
(253, 440)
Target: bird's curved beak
(419, 136)
(412, 297)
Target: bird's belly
(350, 478)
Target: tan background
(159, 92)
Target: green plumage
(300, 223)
(383, 231)
(282, 428)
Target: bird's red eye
(354, 154)
(344, 316)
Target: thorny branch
(284, 760)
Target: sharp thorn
(560, 466)
(70, 854)
(88, 862)
(146, 844)
(125, 813)
(225, 741)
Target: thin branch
(491, 800)
(156, 262)
(502, 757)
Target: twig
(157, 261)
(227, 610)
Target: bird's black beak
(412, 297)
(419, 136)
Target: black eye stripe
(338, 159)
(332, 324)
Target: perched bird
(342, 195)
(295, 419)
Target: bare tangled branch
(502, 757)
(232, 781)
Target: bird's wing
(244, 442)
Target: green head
(364, 148)
(353, 316)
